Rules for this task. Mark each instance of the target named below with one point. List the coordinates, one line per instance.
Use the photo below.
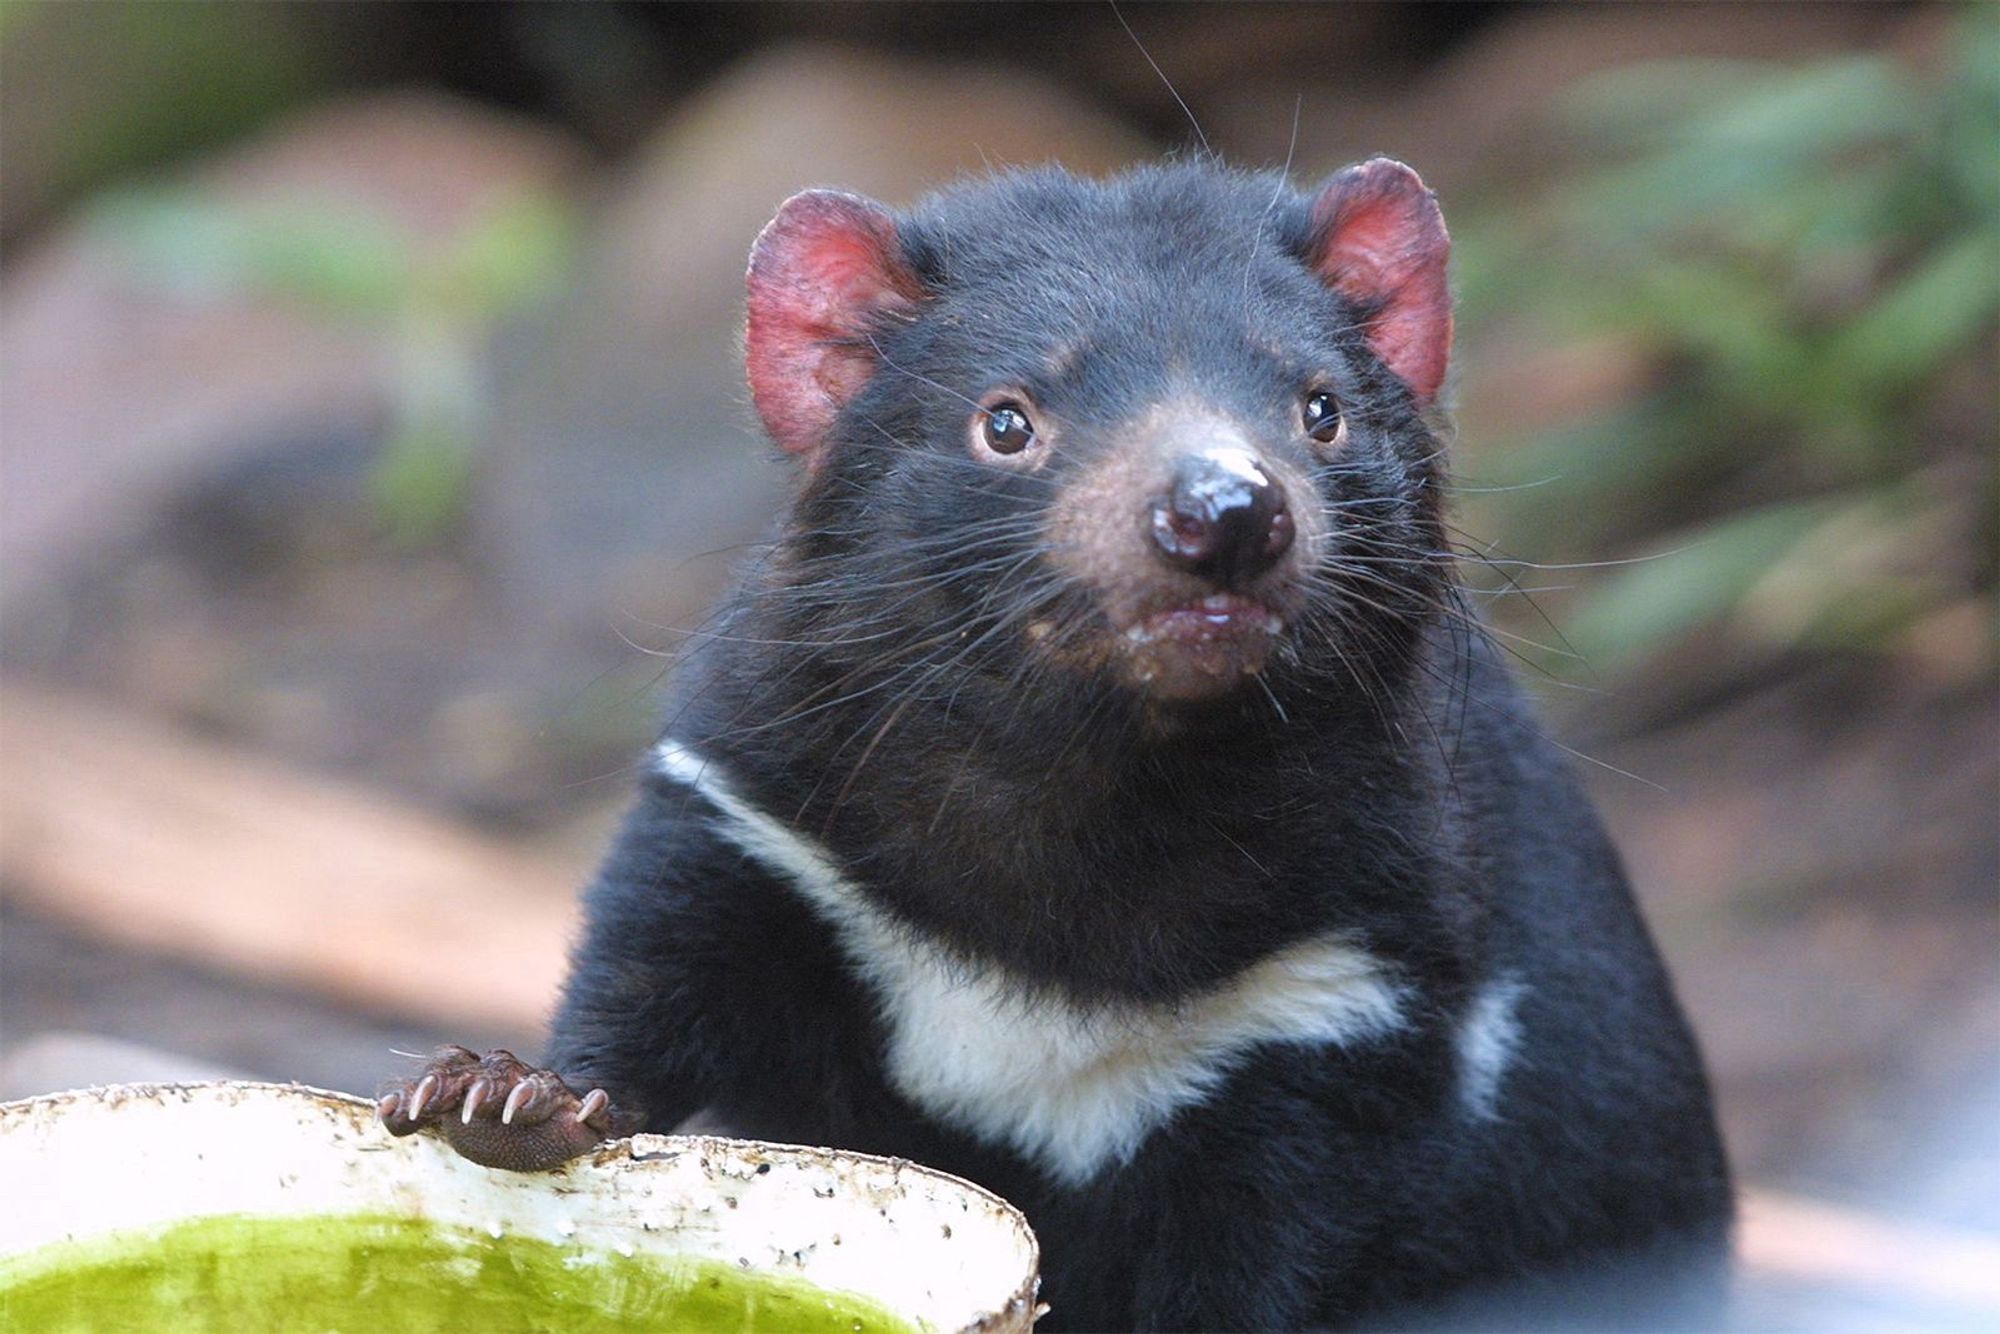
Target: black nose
(1224, 518)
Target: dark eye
(1007, 429)
(1323, 420)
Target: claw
(426, 1088)
(474, 1095)
(504, 1108)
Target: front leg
(703, 980)
(709, 980)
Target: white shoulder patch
(1070, 1088)
(1488, 1036)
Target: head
(1162, 436)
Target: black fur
(871, 685)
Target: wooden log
(1782, 1236)
(143, 833)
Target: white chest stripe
(1072, 1089)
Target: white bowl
(939, 1252)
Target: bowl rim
(637, 1149)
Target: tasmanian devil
(1101, 789)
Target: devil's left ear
(1378, 239)
(822, 275)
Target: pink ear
(820, 274)
(1379, 241)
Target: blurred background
(371, 425)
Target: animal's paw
(499, 1111)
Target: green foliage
(1807, 262)
(435, 303)
(129, 84)
(338, 260)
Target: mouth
(1202, 649)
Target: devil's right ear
(822, 274)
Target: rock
(118, 396)
(122, 387)
(186, 515)
(676, 232)
(624, 443)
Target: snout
(1195, 544)
(1222, 518)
